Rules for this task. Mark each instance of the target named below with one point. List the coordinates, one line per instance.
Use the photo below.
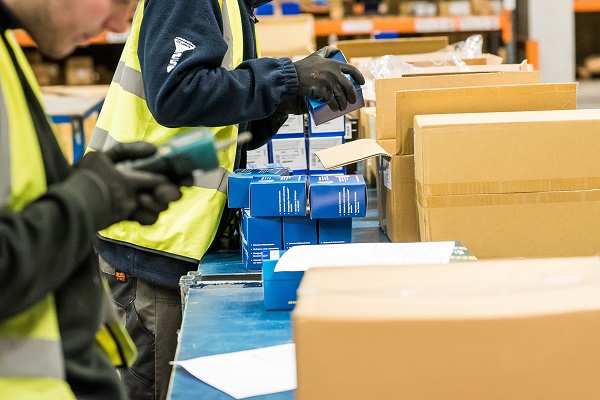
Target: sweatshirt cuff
(290, 75)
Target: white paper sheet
(247, 373)
(301, 258)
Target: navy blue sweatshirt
(212, 95)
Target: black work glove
(323, 78)
(135, 195)
(295, 105)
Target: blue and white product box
(335, 230)
(278, 196)
(258, 158)
(337, 196)
(279, 288)
(319, 109)
(318, 143)
(294, 125)
(238, 184)
(299, 231)
(257, 235)
(291, 153)
(335, 127)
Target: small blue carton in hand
(320, 111)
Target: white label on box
(484, 23)
(348, 132)
(318, 144)
(293, 125)
(357, 26)
(386, 173)
(258, 158)
(336, 125)
(289, 153)
(434, 25)
(372, 131)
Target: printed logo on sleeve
(181, 45)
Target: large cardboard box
(383, 47)
(531, 97)
(521, 184)
(386, 89)
(494, 330)
(397, 202)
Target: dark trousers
(152, 316)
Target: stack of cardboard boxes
(509, 167)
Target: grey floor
(588, 94)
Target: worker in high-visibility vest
(189, 63)
(59, 338)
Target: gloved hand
(295, 106)
(323, 78)
(135, 195)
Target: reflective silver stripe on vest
(31, 358)
(5, 166)
(101, 140)
(227, 62)
(130, 80)
(216, 179)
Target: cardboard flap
(349, 153)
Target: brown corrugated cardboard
(386, 91)
(396, 198)
(495, 330)
(298, 31)
(383, 47)
(446, 58)
(522, 184)
(532, 97)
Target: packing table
(223, 312)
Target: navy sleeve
(190, 87)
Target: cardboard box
(397, 206)
(386, 91)
(278, 196)
(440, 58)
(238, 184)
(531, 97)
(384, 47)
(299, 231)
(367, 130)
(521, 184)
(319, 110)
(298, 31)
(454, 8)
(258, 235)
(279, 288)
(334, 230)
(491, 330)
(337, 196)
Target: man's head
(59, 26)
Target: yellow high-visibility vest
(189, 226)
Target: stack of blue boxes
(279, 211)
